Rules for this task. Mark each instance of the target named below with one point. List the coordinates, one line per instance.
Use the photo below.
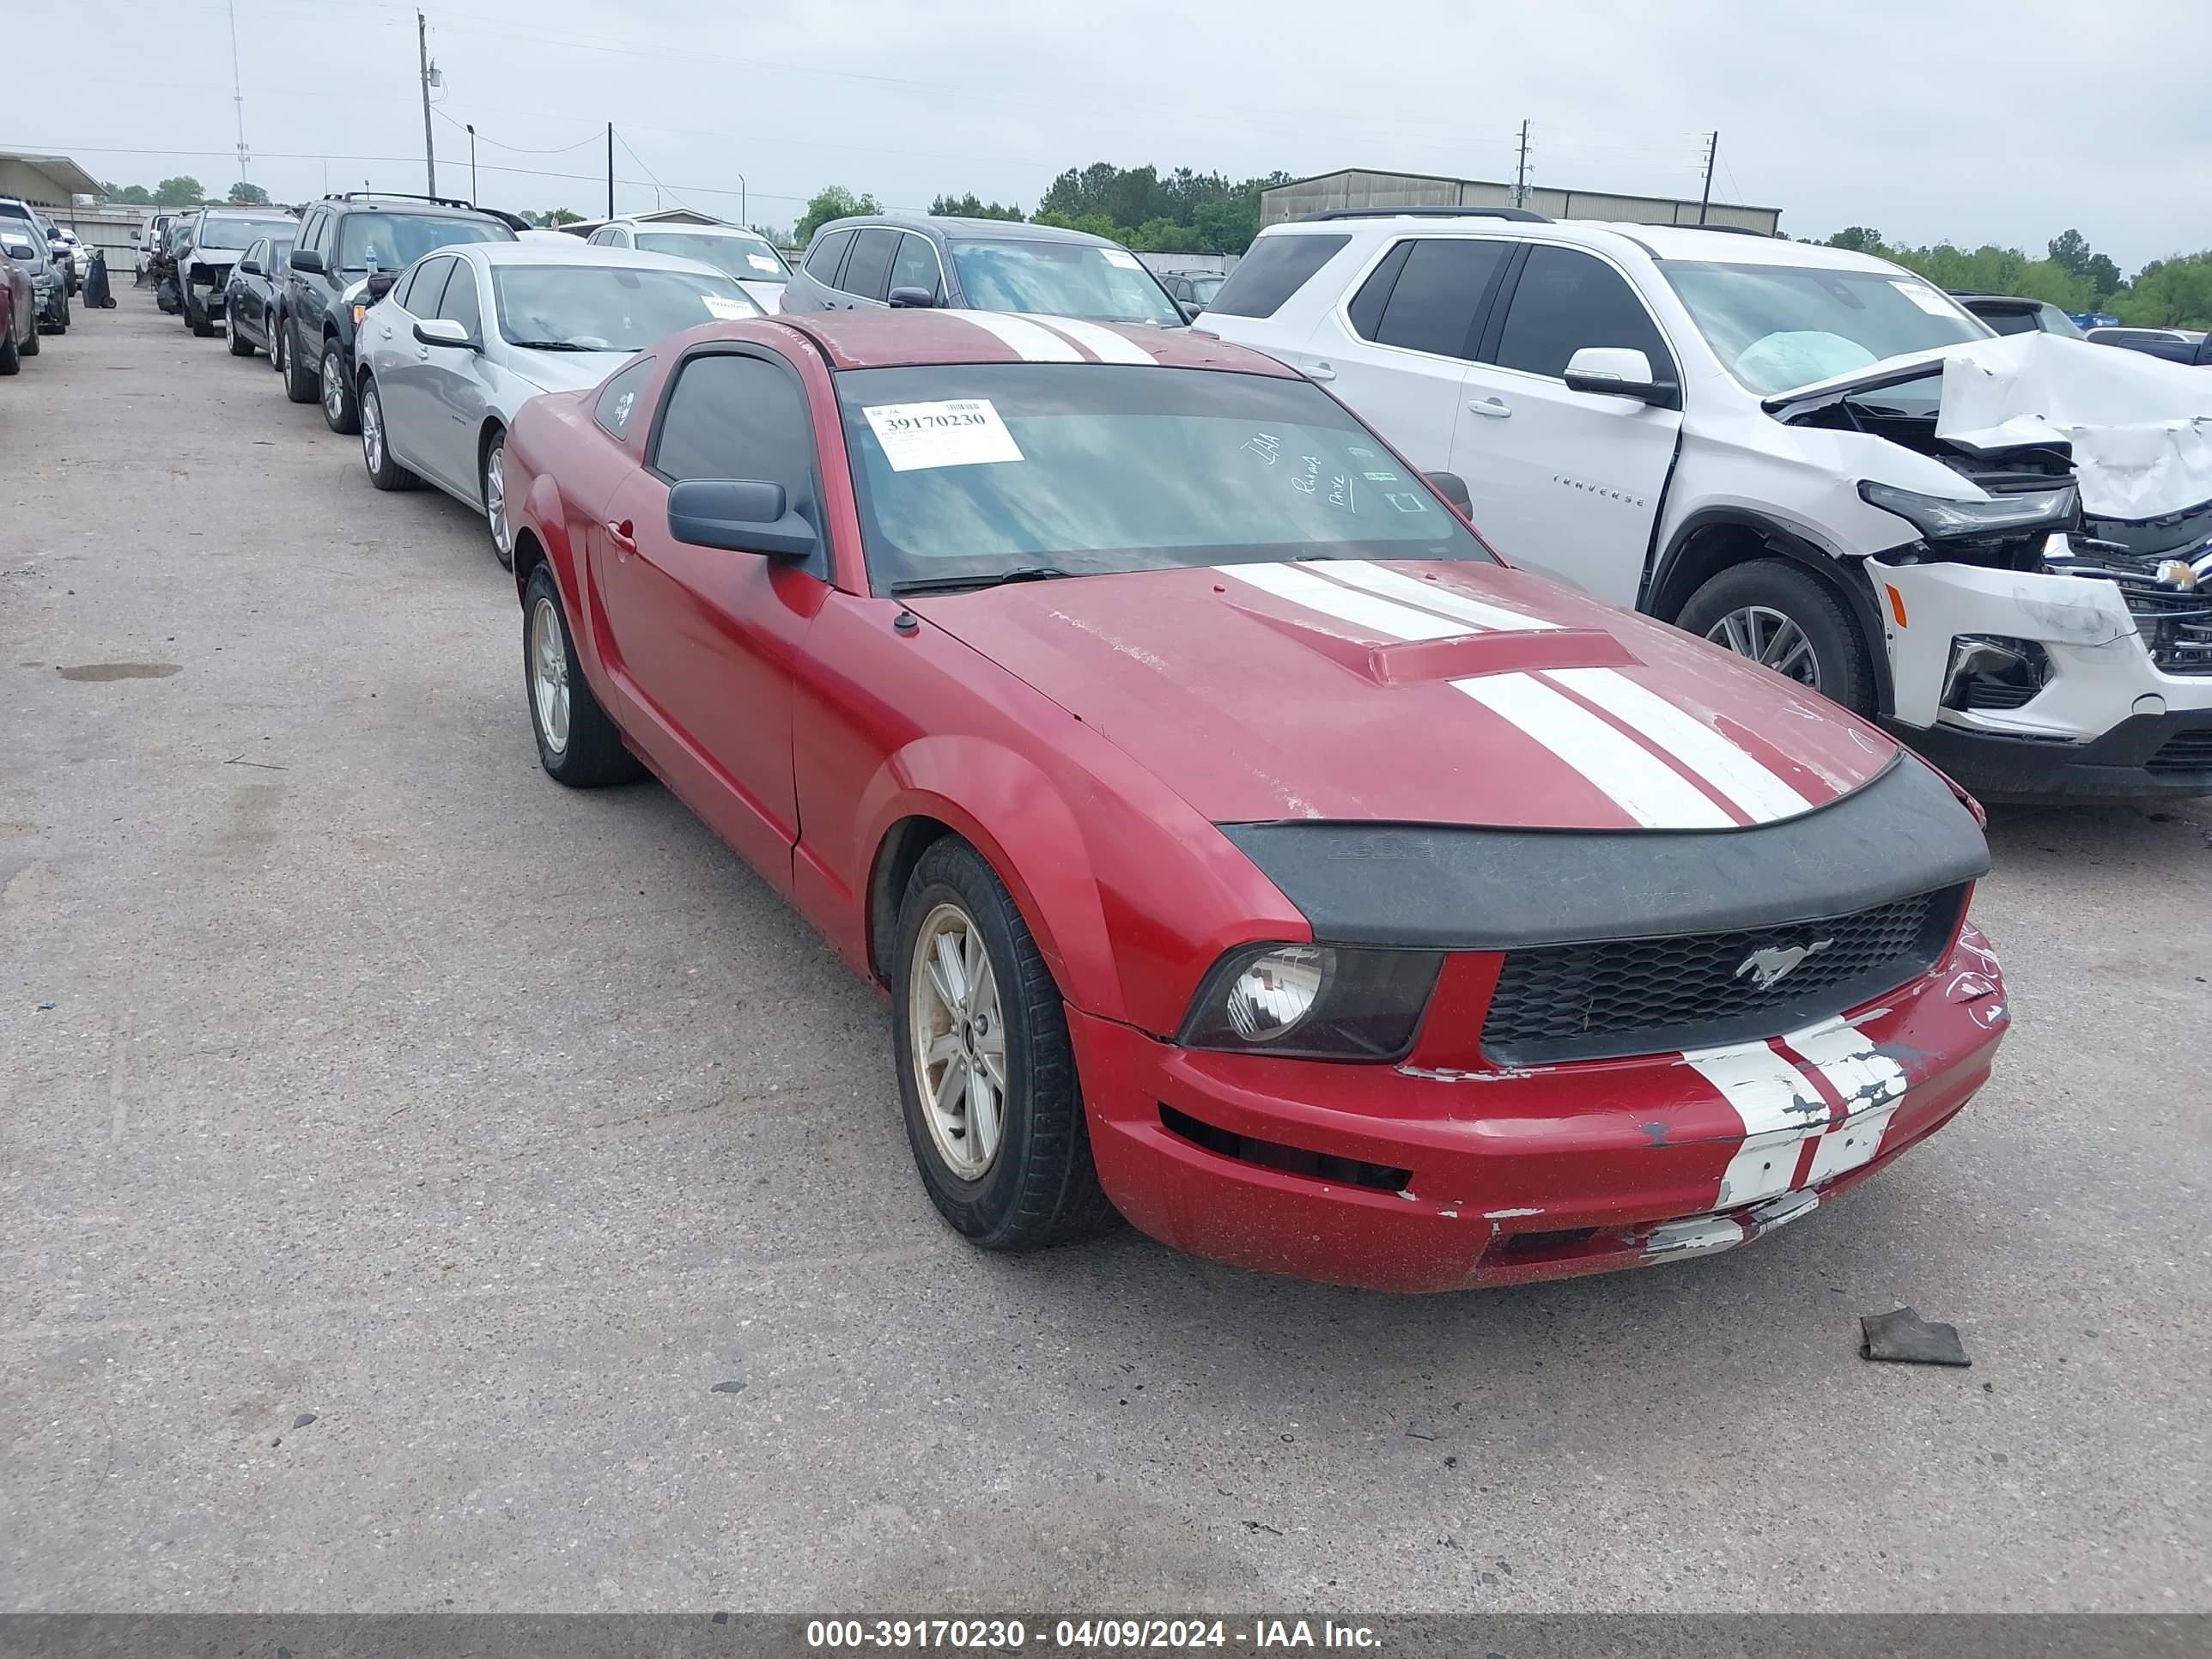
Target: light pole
(473, 193)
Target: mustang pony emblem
(1771, 964)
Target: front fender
(1012, 813)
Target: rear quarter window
(1276, 268)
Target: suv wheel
(1787, 620)
(196, 318)
(375, 445)
(340, 411)
(299, 380)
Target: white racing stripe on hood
(1028, 341)
(1396, 584)
(1103, 343)
(1740, 777)
(1376, 615)
(1641, 784)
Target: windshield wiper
(549, 345)
(1034, 573)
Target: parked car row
(33, 292)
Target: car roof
(1005, 230)
(905, 339)
(546, 254)
(265, 214)
(1707, 244)
(2019, 300)
(681, 228)
(372, 203)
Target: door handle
(1496, 408)
(1320, 371)
(421, 353)
(621, 535)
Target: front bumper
(2098, 726)
(1430, 1175)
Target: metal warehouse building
(1356, 187)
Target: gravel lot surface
(399, 1155)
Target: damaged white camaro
(2000, 547)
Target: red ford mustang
(1245, 849)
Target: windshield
(1066, 279)
(396, 240)
(1203, 289)
(574, 307)
(745, 256)
(965, 474)
(240, 233)
(1779, 326)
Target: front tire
(987, 1075)
(1788, 620)
(577, 743)
(376, 443)
(341, 409)
(492, 483)
(300, 387)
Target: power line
(518, 150)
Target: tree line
(183, 191)
(1184, 212)
(2174, 293)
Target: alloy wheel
(494, 498)
(959, 1037)
(372, 430)
(1769, 638)
(333, 386)
(549, 675)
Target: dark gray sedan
(249, 298)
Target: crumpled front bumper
(2109, 724)
(1422, 1178)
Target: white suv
(1759, 440)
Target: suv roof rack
(1733, 230)
(1522, 216)
(399, 196)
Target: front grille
(2176, 624)
(1643, 996)
(2183, 753)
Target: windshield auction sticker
(965, 432)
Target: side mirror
(1620, 372)
(305, 258)
(1190, 308)
(444, 331)
(903, 298)
(1452, 489)
(250, 267)
(740, 515)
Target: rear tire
(577, 743)
(300, 386)
(11, 354)
(1773, 611)
(1034, 1185)
(334, 390)
(240, 345)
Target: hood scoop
(1465, 656)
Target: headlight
(1939, 519)
(1316, 1001)
(360, 311)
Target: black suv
(349, 249)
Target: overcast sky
(1928, 119)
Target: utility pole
(473, 195)
(238, 96)
(1521, 173)
(429, 146)
(611, 169)
(1712, 149)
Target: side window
(1441, 294)
(1276, 268)
(259, 253)
(916, 265)
(319, 238)
(418, 295)
(822, 260)
(459, 304)
(599, 238)
(871, 264)
(732, 417)
(1566, 299)
(618, 406)
(1366, 307)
